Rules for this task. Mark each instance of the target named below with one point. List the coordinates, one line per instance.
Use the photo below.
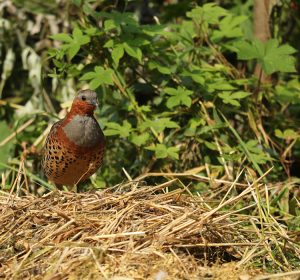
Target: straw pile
(126, 232)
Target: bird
(75, 145)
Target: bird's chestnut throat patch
(82, 108)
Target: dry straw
(137, 231)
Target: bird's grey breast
(84, 131)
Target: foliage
(269, 55)
(156, 82)
(163, 86)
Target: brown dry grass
(133, 231)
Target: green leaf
(159, 124)
(92, 31)
(162, 151)
(287, 134)
(109, 44)
(133, 51)
(109, 25)
(198, 79)
(115, 19)
(160, 68)
(77, 33)
(173, 152)
(222, 85)
(210, 145)
(95, 83)
(139, 140)
(105, 75)
(278, 58)
(88, 76)
(117, 53)
(247, 51)
(113, 128)
(178, 96)
(99, 76)
(257, 153)
(271, 56)
(288, 92)
(240, 94)
(73, 50)
(230, 27)
(72, 43)
(77, 2)
(193, 125)
(62, 37)
(233, 98)
(209, 13)
(79, 38)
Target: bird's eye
(83, 98)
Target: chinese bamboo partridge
(75, 145)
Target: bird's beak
(95, 103)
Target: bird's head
(85, 102)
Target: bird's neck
(82, 108)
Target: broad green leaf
(144, 108)
(232, 98)
(139, 140)
(113, 128)
(110, 24)
(288, 92)
(277, 58)
(133, 51)
(246, 51)
(79, 38)
(222, 85)
(287, 134)
(88, 76)
(77, 2)
(171, 91)
(178, 96)
(173, 152)
(92, 31)
(73, 50)
(212, 146)
(109, 44)
(159, 124)
(77, 33)
(192, 126)
(240, 94)
(117, 53)
(269, 55)
(138, 42)
(161, 69)
(95, 83)
(105, 75)
(62, 37)
(230, 27)
(72, 44)
(99, 77)
(198, 79)
(209, 13)
(162, 151)
(125, 19)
